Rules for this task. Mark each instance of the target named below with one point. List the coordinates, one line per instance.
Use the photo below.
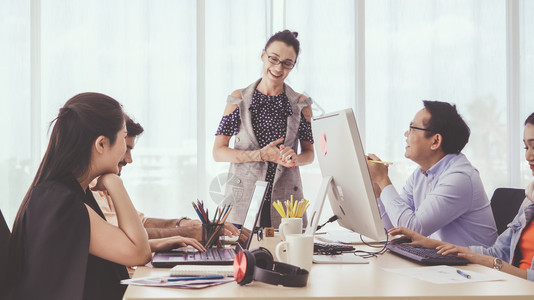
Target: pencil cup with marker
(211, 233)
(292, 216)
(211, 228)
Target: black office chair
(4, 247)
(505, 203)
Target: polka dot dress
(269, 121)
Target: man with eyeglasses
(444, 198)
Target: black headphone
(259, 265)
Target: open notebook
(218, 256)
(203, 270)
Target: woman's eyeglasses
(286, 64)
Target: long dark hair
(79, 123)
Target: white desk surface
(349, 281)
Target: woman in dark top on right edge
(269, 120)
(513, 251)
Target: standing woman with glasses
(269, 120)
(61, 246)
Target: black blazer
(56, 263)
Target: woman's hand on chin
(105, 181)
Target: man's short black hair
(445, 120)
(134, 129)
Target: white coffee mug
(290, 226)
(299, 250)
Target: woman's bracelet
(180, 220)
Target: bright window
(173, 63)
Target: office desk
(364, 281)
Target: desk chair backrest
(505, 203)
(4, 247)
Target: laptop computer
(218, 256)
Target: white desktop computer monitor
(346, 178)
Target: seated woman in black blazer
(61, 246)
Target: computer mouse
(401, 240)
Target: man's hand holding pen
(378, 170)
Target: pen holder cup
(290, 226)
(210, 235)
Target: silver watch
(497, 264)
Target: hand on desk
(193, 228)
(245, 235)
(417, 239)
(169, 243)
(230, 230)
(464, 252)
(442, 247)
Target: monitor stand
(328, 188)
(314, 216)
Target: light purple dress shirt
(447, 202)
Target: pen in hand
(380, 162)
(463, 274)
(191, 278)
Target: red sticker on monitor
(323, 143)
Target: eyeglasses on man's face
(286, 64)
(412, 128)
